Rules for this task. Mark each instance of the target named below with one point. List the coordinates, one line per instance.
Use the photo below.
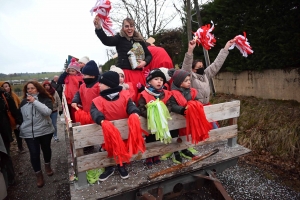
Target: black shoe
(123, 172)
(176, 158)
(187, 154)
(107, 173)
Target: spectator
(58, 87)
(37, 129)
(7, 104)
(7, 87)
(57, 108)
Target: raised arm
(214, 67)
(188, 58)
(106, 40)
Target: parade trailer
(164, 181)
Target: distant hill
(19, 78)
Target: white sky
(38, 35)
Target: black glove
(60, 112)
(182, 111)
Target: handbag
(12, 120)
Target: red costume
(113, 110)
(148, 97)
(160, 58)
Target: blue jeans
(215, 126)
(53, 117)
(35, 145)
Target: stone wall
(269, 84)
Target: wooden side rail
(91, 134)
(98, 160)
(88, 135)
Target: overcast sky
(38, 35)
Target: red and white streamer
(102, 8)
(204, 37)
(241, 42)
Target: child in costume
(167, 85)
(182, 95)
(126, 86)
(114, 103)
(72, 78)
(87, 92)
(56, 106)
(148, 105)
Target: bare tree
(150, 16)
(110, 53)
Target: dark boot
(48, 169)
(40, 179)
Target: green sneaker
(166, 156)
(193, 150)
(92, 175)
(187, 154)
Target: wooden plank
(66, 110)
(91, 134)
(116, 187)
(98, 160)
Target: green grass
(270, 125)
(27, 77)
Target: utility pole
(189, 25)
(206, 56)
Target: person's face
(6, 87)
(103, 87)
(47, 87)
(186, 83)
(81, 64)
(72, 71)
(55, 78)
(128, 28)
(88, 76)
(198, 66)
(121, 78)
(156, 82)
(31, 89)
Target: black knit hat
(91, 69)
(156, 73)
(110, 79)
(178, 76)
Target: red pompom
(135, 142)
(114, 145)
(196, 122)
(204, 37)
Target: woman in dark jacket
(124, 41)
(7, 103)
(37, 129)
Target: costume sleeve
(44, 108)
(61, 79)
(175, 107)
(107, 40)
(187, 62)
(214, 67)
(76, 98)
(96, 115)
(131, 108)
(148, 55)
(142, 106)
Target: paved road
(56, 187)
